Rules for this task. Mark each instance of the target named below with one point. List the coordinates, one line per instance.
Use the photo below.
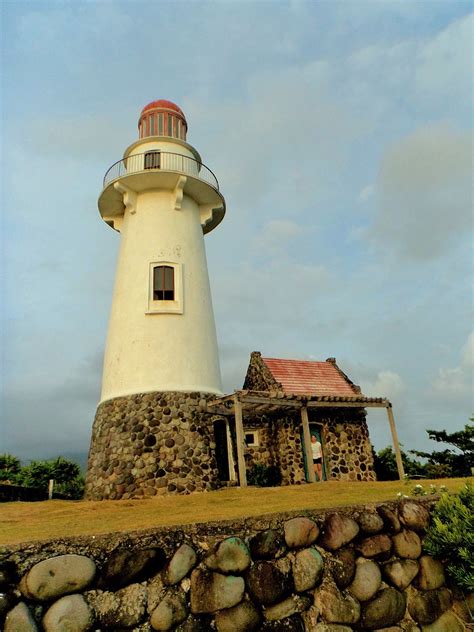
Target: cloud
(386, 384)
(455, 382)
(275, 237)
(424, 193)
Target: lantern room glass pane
(170, 125)
(160, 124)
(152, 125)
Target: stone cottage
(282, 405)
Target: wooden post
(239, 433)
(307, 445)
(396, 445)
(50, 488)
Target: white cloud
(453, 382)
(385, 384)
(275, 237)
(424, 193)
(366, 193)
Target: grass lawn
(26, 521)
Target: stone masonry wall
(149, 444)
(346, 444)
(360, 568)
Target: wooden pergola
(255, 403)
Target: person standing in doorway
(317, 453)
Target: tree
(66, 474)
(449, 462)
(385, 465)
(10, 468)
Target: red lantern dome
(162, 118)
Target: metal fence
(157, 160)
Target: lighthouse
(161, 360)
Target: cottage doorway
(315, 430)
(223, 453)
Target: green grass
(27, 521)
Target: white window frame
(166, 307)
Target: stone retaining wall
(359, 568)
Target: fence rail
(160, 161)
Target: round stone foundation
(151, 443)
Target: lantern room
(162, 118)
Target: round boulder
(367, 580)
(230, 556)
(267, 584)
(400, 573)
(427, 606)
(431, 574)
(308, 566)
(170, 612)
(407, 544)
(370, 522)
(300, 532)
(180, 564)
(386, 609)
(241, 618)
(447, 622)
(338, 530)
(413, 515)
(343, 567)
(336, 606)
(390, 519)
(266, 545)
(58, 576)
(378, 546)
(286, 608)
(212, 591)
(68, 614)
(20, 619)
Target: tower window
(152, 160)
(163, 283)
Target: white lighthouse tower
(161, 360)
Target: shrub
(451, 536)
(264, 475)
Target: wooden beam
(382, 404)
(239, 433)
(307, 445)
(396, 445)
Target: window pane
(160, 124)
(152, 160)
(170, 125)
(152, 125)
(169, 280)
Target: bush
(451, 536)
(264, 475)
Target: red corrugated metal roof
(304, 377)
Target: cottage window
(251, 438)
(152, 160)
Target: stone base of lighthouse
(149, 444)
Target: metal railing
(156, 160)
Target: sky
(341, 136)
